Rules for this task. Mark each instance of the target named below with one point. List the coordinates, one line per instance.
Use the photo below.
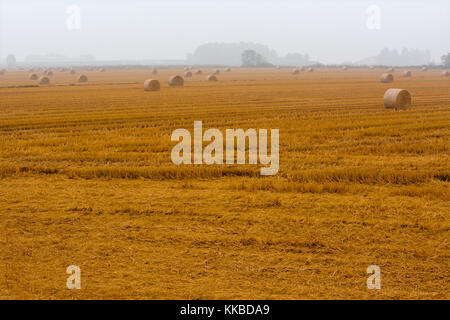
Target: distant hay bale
(310, 69)
(295, 71)
(185, 68)
(62, 70)
(371, 67)
(302, 69)
(397, 99)
(72, 71)
(44, 80)
(102, 70)
(82, 78)
(154, 71)
(390, 70)
(344, 68)
(278, 68)
(198, 72)
(445, 73)
(188, 74)
(217, 71)
(176, 81)
(33, 76)
(407, 74)
(424, 68)
(211, 77)
(151, 85)
(387, 77)
(227, 69)
(49, 73)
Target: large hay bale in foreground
(151, 85)
(397, 99)
(445, 73)
(387, 78)
(295, 71)
(33, 76)
(199, 72)
(188, 74)
(407, 74)
(44, 80)
(82, 78)
(176, 81)
(211, 77)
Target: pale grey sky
(330, 31)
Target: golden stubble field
(86, 178)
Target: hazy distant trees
(230, 54)
(11, 61)
(446, 60)
(407, 57)
(250, 58)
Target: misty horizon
(328, 32)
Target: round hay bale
(185, 68)
(82, 78)
(397, 99)
(295, 71)
(49, 73)
(217, 71)
(445, 73)
(72, 71)
(154, 71)
(33, 76)
(278, 68)
(371, 67)
(188, 74)
(310, 69)
(211, 77)
(390, 70)
(302, 69)
(102, 70)
(407, 74)
(344, 68)
(387, 78)
(424, 68)
(176, 81)
(44, 80)
(198, 72)
(227, 69)
(151, 85)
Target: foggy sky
(329, 31)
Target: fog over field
(328, 31)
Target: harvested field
(86, 178)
